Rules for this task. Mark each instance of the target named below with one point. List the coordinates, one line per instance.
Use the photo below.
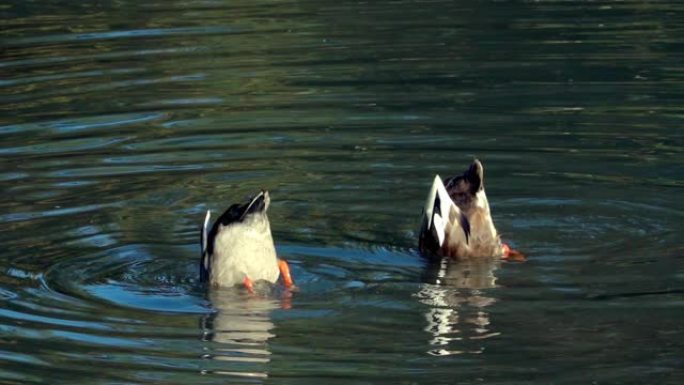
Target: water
(122, 122)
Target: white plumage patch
(439, 220)
(205, 231)
(244, 249)
(440, 228)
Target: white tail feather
(440, 228)
(440, 222)
(430, 201)
(204, 231)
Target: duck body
(457, 221)
(239, 246)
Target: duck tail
(442, 218)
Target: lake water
(122, 122)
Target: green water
(122, 122)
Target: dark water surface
(123, 121)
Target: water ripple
(107, 35)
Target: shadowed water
(123, 122)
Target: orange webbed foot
(248, 285)
(285, 274)
(511, 255)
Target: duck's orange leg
(511, 255)
(248, 285)
(285, 273)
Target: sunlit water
(123, 122)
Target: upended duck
(239, 249)
(457, 222)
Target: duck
(457, 221)
(238, 249)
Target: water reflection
(240, 329)
(457, 317)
